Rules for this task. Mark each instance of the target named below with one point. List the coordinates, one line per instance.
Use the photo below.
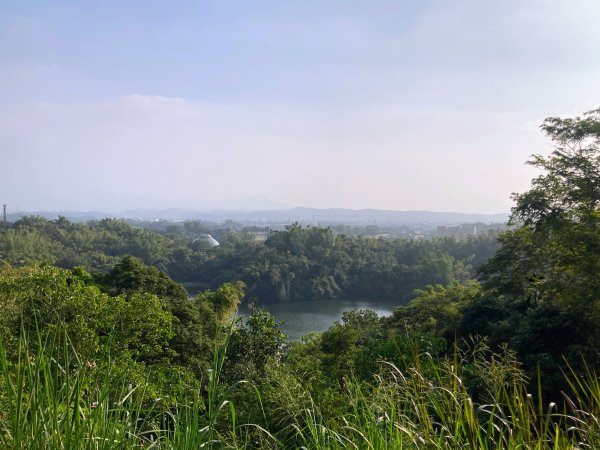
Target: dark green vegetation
(298, 263)
(122, 358)
(540, 293)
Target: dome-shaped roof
(206, 240)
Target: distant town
(257, 225)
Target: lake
(300, 318)
(303, 317)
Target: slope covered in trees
(297, 263)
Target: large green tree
(553, 253)
(196, 322)
(542, 288)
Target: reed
(50, 398)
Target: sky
(403, 105)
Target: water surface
(300, 318)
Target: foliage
(541, 291)
(95, 245)
(43, 405)
(436, 309)
(145, 320)
(253, 345)
(296, 263)
(301, 263)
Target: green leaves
(253, 345)
(569, 188)
(541, 289)
(436, 309)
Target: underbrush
(49, 398)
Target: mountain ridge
(304, 215)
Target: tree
(253, 345)
(541, 291)
(554, 251)
(435, 309)
(57, 302)
(570, 187)
(196, 322)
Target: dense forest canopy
(296, 263)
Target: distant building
(206, 241)
(386, 236)
(467, 229)
(261, 236)
(257, 234)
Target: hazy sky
(406, 104)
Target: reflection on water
(300, 318)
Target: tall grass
(49, 398)
(408, 410)
(66, 403)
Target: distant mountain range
(313, 216)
